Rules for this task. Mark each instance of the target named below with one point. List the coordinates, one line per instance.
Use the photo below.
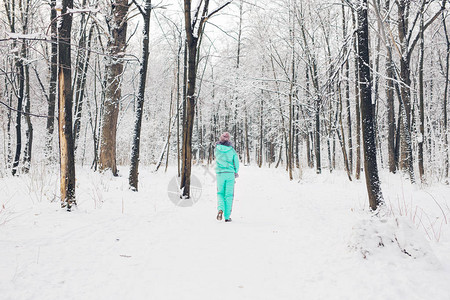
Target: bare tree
(82, 63)
(357, 102)
(194, 27)
(368, 130)
(444, 106)
(408, 40)
(117, 25)
(53, 69)
(134, 170)
(65, 98)
(421, 102)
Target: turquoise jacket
(227, 160)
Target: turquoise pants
(225, 193)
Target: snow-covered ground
(312, 238)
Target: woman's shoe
(219, 215)
(228, 220)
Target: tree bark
(370, 154)
(347, 98)
(66, 147)
(402, 24)
(188, 116)
(169, 131)
(114, 69)
(11, 16)
(357, 103)
(180, 47)
(134, 169)
(261, 131)
(390, 100)
(21, 77)
(280, 109)
(342, 138)
(193, 40)
(8, 130)
(421, 104)
(406, 47)
(308, 134)
(52, 84)
(447, 60)
(29, 131)
(297, 136)
(80, 85)
(247, 146)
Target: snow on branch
(83, 10)
(26, 113)
(28, 36)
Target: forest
(115, 110)
(290, 80)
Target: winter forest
(337, 110)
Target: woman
(227, 168)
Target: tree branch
(139, 8)
(218, 9)
(40, 83)
(196, 14)
(425, 26)
(25, 113)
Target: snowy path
(288, 240)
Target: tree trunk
(134, 169)
(114, 69)
(297, 136)
(370, 154)
(357, 104)
(390, 100)
(347, 98)
(80, 85)
(406, 47)
(376, 79)
(261, 133)
(312, 68)
(308, 151)
(178, 106)
(279, 156)
(65, 95)
(193, 40)
(342, 138)
(189, 112)
(291, 141)
(421, 104)
(169, 131)
(280, 108)
(186, 157)
(331, 133)
(8, 130)
(247, 148)
(10, 11)
(21, 72)
(29, 131)
(317, 135)
(447, 59)
(52, 84)
(402, 24)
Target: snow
(83, 10)
(308, 239)
(29, 36)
